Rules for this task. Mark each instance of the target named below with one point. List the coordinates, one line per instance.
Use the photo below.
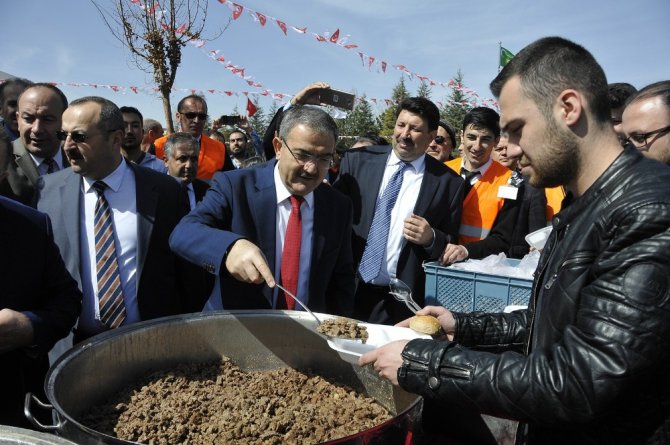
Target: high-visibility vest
(555, 197)
(482, 204)
(210, 159)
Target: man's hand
(443, 315)
(16, 330)
(417, 230)
(453, 253)
(246, 262)
(386, 360)
(309, 94)
(244, 124)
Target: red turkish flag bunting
(320, 38)
(237, 11)
(335, 36)
(251, 108)
(261, 18)
(282, 25)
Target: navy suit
(243, 204)
(35, 282)
(165, 283)
(440, 201)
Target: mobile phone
(337, 98)
(229, 120)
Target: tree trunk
(168, 113)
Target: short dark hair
(422, 107)
(657, 89)
(311, 117)
(176, 138)
(619, 94)
(191, 97)
(49, 86)
(111, 118)
(23, 83)
(483, 117)
(132, 110)
(450, 131)
(551, 65)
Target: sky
(67, 42)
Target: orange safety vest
(210, 159)
(482, 204)
(555, 197)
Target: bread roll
(426, 324)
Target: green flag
(505, 56)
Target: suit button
(433, 383)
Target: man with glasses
(646, 121)
(111, 222)
(443, 144)
(192, 117)
(277, 223)
(37, 151)
(407, 207)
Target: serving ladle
(402, 292)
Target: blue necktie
(373, 255)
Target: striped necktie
(110, 293)
(371, 262)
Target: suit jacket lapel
(146, 205)
(25, 161)
(429, 186)
(265, 211)
(373, 181)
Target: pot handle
(26, 411)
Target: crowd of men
(129, 224)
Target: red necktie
(290, 259)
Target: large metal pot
(19, 436)
(256, 340)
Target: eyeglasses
(640, 140)
(76, 136)
(192, 115)
(303, 158)
(439, 139)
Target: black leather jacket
(589, 361)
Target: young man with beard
(588, 361)
(133, 132)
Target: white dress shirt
(283, 213)
(121, 196)
(403, 208)
(481, 170)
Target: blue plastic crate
(464, 291)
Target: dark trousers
(374, 304)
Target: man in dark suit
(39, 301)
(112, 220)
(276, 220)
(181, 153)
(37, 151)
(408, 229)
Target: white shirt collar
(282, 192)
(113, 180)
(418, 164)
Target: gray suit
(22, 175)
(165, 283)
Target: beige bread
(426, 324)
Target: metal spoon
(318, 322)
(402, 292)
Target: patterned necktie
(52, 166)
(371, 262)
(110, 294)
(290, 259)
(468, 179)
